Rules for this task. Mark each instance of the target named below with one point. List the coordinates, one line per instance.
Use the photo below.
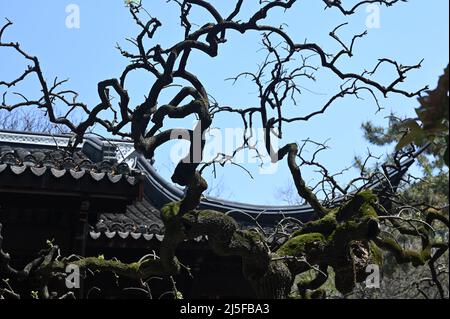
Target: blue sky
(409, 32)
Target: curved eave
(162, 192)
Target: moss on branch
(345, 239)
(417, 258)
(136, 270)
(302, 245)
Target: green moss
(254, 236)
(299, 245)
(364, 229)
(311, 280)
(134, 270)
(216, 225)
(356, 220)
(327, 287)
(417, 258)
(325, 225)
(244, 243)
(367, 210)
(361, 205)
(209, 214)
(99, 263)
(169, 211)
(212, 217)
(376, 254)
(343, 234)
(274, 283)
(367, 196)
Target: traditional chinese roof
(59, 164)
(141, 221)
(39, 165)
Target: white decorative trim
(24, 138)
(125, 149)
(95, 235)
(110, 234)
(124, 235)
(148, 236)
(136, 235)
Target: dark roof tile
(59, 163)
(140, 218)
